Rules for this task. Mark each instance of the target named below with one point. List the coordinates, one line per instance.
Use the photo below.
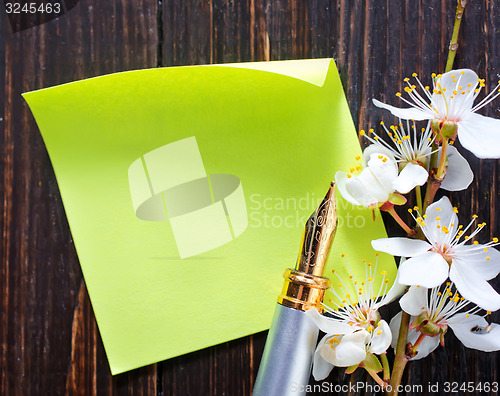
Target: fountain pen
(285, 367)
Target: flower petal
(428, 345)
(486, 341)
(451, 82)
(480, 135)
(473, 287)
(440, 213)
(412, 175)
(341, 180)
(381, 339)
(351, 349)
(384, 169)
(329, 325)
(429, 270)
(411, 113)
(379, 149)
(485, 263)
(394, 325)
(459, 175)
(366, 189)
(321, 368)
(414, 301)
(401, 246)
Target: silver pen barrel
(286, 363)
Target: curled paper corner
(313, 71)
(205, 211)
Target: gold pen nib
(318, 236)
(305, 285)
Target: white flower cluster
(447, 273)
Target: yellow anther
(474, 216)
(438, 218)
(383, 272)
(495, 240)
(375, 138)
(438, 209)
(358, 157)
(485, 249)
(476, 243)
(379, 332)
(455, 209)
(487, 259)
(410, 210)
(414, 75)
(406, 79)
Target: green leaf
(372, 363)
(351, 369)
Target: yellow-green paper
(280, 130)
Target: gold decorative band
(303, 291)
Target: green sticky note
(187, 190)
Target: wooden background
(49, 342)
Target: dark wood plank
(49, 340)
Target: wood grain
(49, 341)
